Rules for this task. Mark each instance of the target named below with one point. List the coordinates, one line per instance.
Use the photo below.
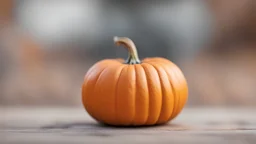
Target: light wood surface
(74, 125)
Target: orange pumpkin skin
(151, 92)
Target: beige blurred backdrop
(46, 47)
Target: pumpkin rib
(141, 96)
(134, 94)
(93, 87)
(177, 102)
(116, 93)
(173, 89)
(147, 95)
(97, 81)
(171, 66)
(125, 95)
(161, 86)
(104, 92)
(180, 92)
(90, 72)
(167, 95)
(183, 95)
(154, 90)
(181, 79)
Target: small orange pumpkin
(134, 92)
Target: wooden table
(73, 125)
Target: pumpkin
(133, 92)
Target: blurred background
(46, 46)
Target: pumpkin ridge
(94, 85)
(134, 94)
(148, 94)
(173, 90)
(177, 73)
(177, 109)
(97, 81)
(88, 74)
(136, 78)
(153, 93)
(178, 100)
(116, 92)
(179, 82)
(161, 86)
(135, 91)
(186, 89)
(141, 114)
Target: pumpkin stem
(133, 57)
